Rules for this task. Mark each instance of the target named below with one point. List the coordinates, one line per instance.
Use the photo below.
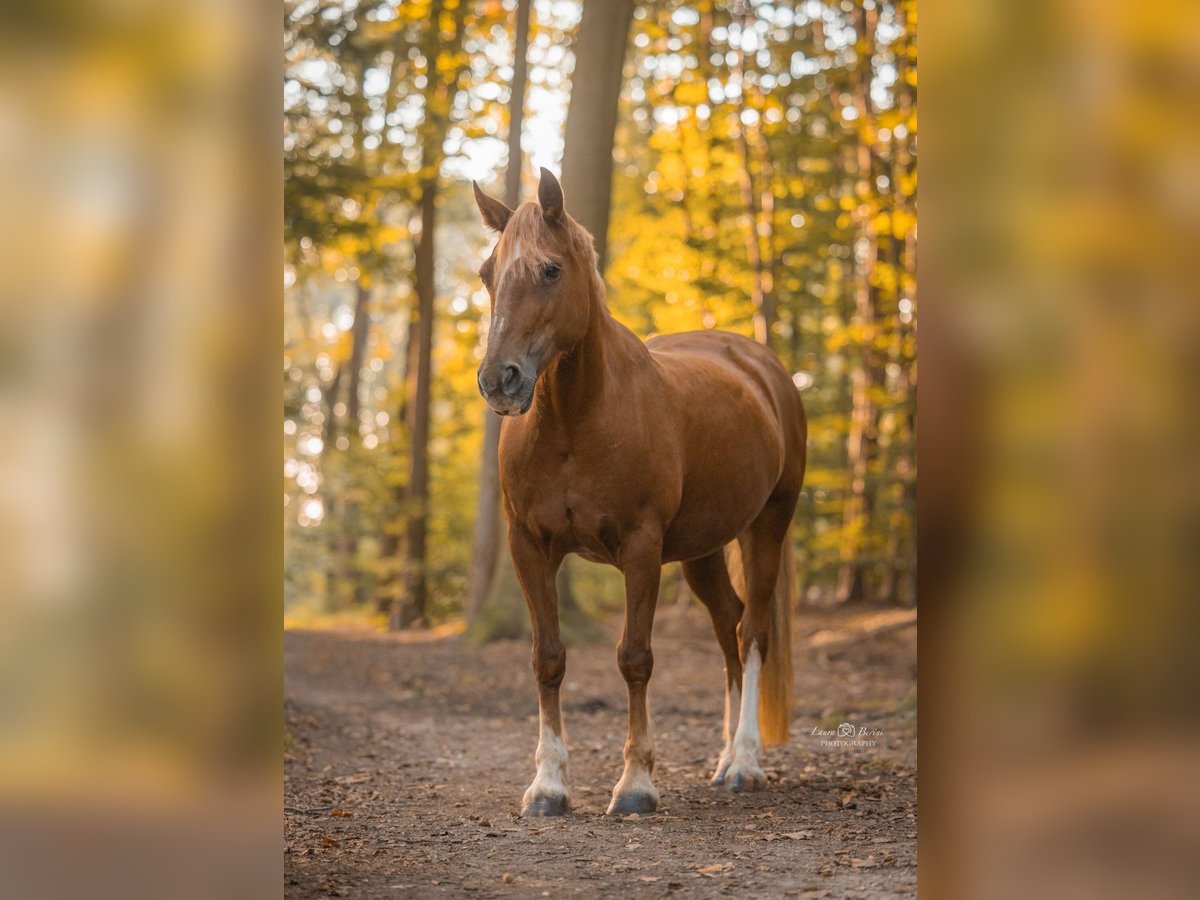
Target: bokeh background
(140, 427)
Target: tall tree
(485, 545)
(592, 115)
(758, 201)
(444, 66)
(588, 150)
(347, 588)
(860, 442)
(596, 82)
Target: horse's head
(540, 277)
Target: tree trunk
(388, 596)
(347, 588)
(857, 513)
(588, 159)
(413, 610)
(761, 293)
(898, 579)
(485, 545)
(592, 116)
(412, 606)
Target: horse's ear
(495, 214)
(550, 196)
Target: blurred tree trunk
(853, 580)
(388, 595)
(898, 580)
(348, 589)
(588, 151)
(485, 545)
(757, 202)
(413, 610)
(592, 116)
(411, 607)
(346, 581)
(587, 185)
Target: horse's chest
(571, 506)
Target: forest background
(748, 166)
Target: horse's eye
(551, 272)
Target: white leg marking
(732, 703)
(744, 773)
(550, 782)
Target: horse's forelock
(526, 244)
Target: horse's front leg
(549, 794)
(641, 561)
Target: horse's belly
(728, 482)
(702, 528)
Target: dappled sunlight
(857, 625)
(363, 622)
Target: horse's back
(696, 362)
(723, 347)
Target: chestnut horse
(637, 455)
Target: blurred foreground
(139, 531)
(1059, 490)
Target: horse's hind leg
(548, 795)
(762, 548)
(708, 578)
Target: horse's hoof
(638, 802)
(747, 779)
(544, 805)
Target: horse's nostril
(510, 375)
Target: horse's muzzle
(506, 387)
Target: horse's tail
(775, 691)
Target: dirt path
(408, 756)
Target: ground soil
(408, 754)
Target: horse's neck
(576, 380)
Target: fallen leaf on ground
(327, 841)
